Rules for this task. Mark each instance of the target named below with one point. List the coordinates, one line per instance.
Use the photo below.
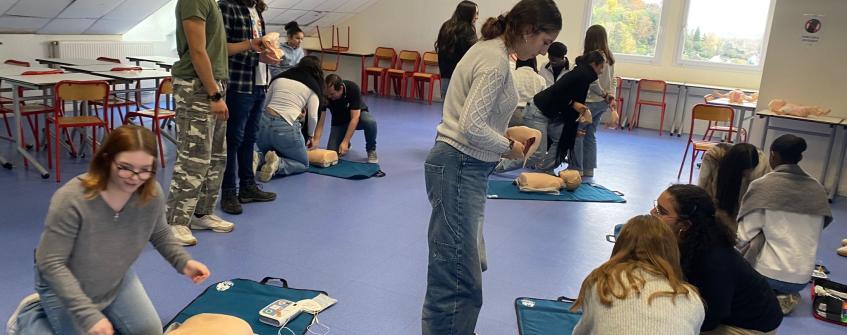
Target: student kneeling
(640, 289)
(349, 113)
(280, 136)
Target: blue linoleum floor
(364, 242)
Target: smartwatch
(216, 97)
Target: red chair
(704, 112)
(712, 127)
(650, 86)
(28, 110)
(157, 115)
(95, 90)
(117, 102)
(377, 71)
(419, 78)
(407, 63)
(619, 98)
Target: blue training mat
(588, 192)
(348, 170)
(546, 317)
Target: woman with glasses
(96, 227)
(738, 299)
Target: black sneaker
(253, 193)
(229, 202)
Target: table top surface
(134, 75)
(48, 79)
(725, 101)
(71, 61)
(345, 53)
(17, 70)
(817, 119)
(103, 67)
(154, 59)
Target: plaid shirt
(239, 27)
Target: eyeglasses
(127, 173)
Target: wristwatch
(216, 97)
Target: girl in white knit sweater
(640, 290)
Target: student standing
(557, 63)
(291, 49)
(248, 79)
(455, 37)
(470, 141)
(200, 77)
(601, 98)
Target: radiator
(94, 49)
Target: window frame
(632, 58)
(702, 64)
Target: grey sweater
(87, 248)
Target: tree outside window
(725, 32)
(632, 25)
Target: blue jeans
(781, 287)
(456, 185)
(245, 111)
(366, 123)
(583, 156)
(275, 133)
(130, 313)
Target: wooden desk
(361, 54)
(832, 122)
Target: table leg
(364, 77)
(684, 112)
(828, 155)
(16, 101)
(765, 132)
(834, 192)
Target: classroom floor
(364, 242)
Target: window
(632, 25)
(728, 33)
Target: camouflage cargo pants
(201, 154)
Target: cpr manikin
(322, 157)
(544, 183)
(211, 324)
(782, 107)
(734, 96)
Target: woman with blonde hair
(640, 289)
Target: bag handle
(565, 299)
(267, 280)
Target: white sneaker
(372, 157)
(12, 324)
(256, 162)
(269, 168)
(213, 222)
(183, 235)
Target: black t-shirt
(350, 100)
(735, 294)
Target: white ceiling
(119, 16)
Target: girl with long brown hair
(455, 37)
(640, 289)
(96, 227)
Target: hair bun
(501, 21)
(292, 26)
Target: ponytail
(494, 27)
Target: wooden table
(361, 54)
(832, 122)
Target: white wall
(160, 28)
(28, 47)
(807, 74)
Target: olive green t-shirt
(206, 10)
